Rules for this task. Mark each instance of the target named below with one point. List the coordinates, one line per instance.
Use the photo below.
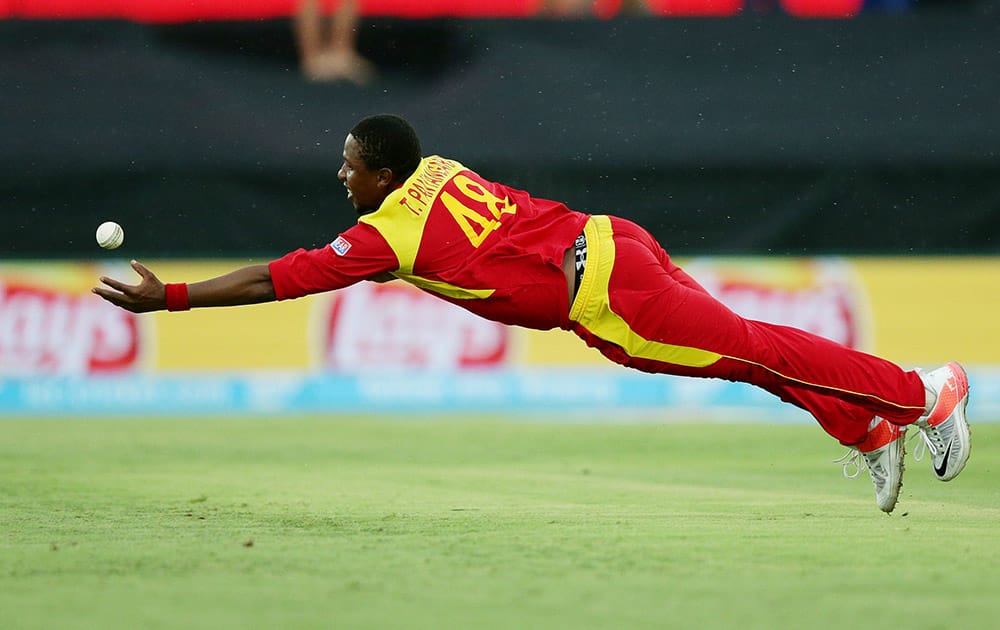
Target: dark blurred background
(762, 133)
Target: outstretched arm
(248, 285)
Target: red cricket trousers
(642, 311)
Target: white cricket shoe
(882, 451)
(944, 429)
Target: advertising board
(390, 347)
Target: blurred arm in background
(567, 8)
(328, 44)
(586, 8)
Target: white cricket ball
(110, 235)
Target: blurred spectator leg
(567, 8)
(328, 47)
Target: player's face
(365, 188)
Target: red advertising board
(822, 296)
(393, 325)
(49, 330)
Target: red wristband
(177, 297)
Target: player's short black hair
(388, 141)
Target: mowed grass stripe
(381, 522)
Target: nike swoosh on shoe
(940, 470)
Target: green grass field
(479, 523)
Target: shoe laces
(930, 440)
(851, 462)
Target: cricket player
(507, 256)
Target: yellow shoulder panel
(403, 214)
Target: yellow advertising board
(915, 311)
(273, 335)
(929, 310)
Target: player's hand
(148, 295)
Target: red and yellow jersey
(486, 247)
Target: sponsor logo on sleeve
(341, 245)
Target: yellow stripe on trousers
(592, 309)
(592, 306)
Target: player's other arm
(248, 285)
(358, 254)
